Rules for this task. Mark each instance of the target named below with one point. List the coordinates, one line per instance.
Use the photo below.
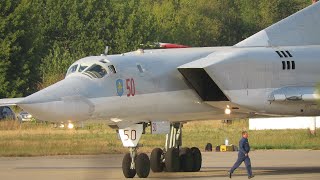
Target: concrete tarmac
(273, 164)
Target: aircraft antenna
(106, 51)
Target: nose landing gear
(134, 163)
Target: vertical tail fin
(301, 28)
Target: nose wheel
(143, 165)
(133, 164)
(128, 172)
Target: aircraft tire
(186, 160)
(197, 159)
(172, 160)
(155, 160)
(142, 165)
(126, 163)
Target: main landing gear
(172, 158)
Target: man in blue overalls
(243, 155)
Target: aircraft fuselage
(149, 86)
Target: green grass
(31, 139)
(216, 133)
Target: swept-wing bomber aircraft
(272, 73)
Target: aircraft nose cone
(63, 101)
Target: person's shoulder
(244, 139)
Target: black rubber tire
(197, 159)
(126, 163)
(155, 160)
(142, 165)
(172, 160)
(186, 160)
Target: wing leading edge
(10, 101)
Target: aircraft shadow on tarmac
(222, 172)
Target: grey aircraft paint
(270, 73)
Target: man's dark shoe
(230, 174)
(249, 177)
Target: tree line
(39, 39)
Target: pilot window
(72, 69)
(112, 69)
(96, 71)
(82, 67)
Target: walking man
(243, 155)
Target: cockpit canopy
(94, 67)
(96, 71)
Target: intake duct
(202, 83)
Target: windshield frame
(72, 69)
(96, 73)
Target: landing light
(70, 126)
(227, 110)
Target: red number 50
(130, 87)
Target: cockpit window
(96, 71)
(112, 69)
(82, 67)
(72, 69)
